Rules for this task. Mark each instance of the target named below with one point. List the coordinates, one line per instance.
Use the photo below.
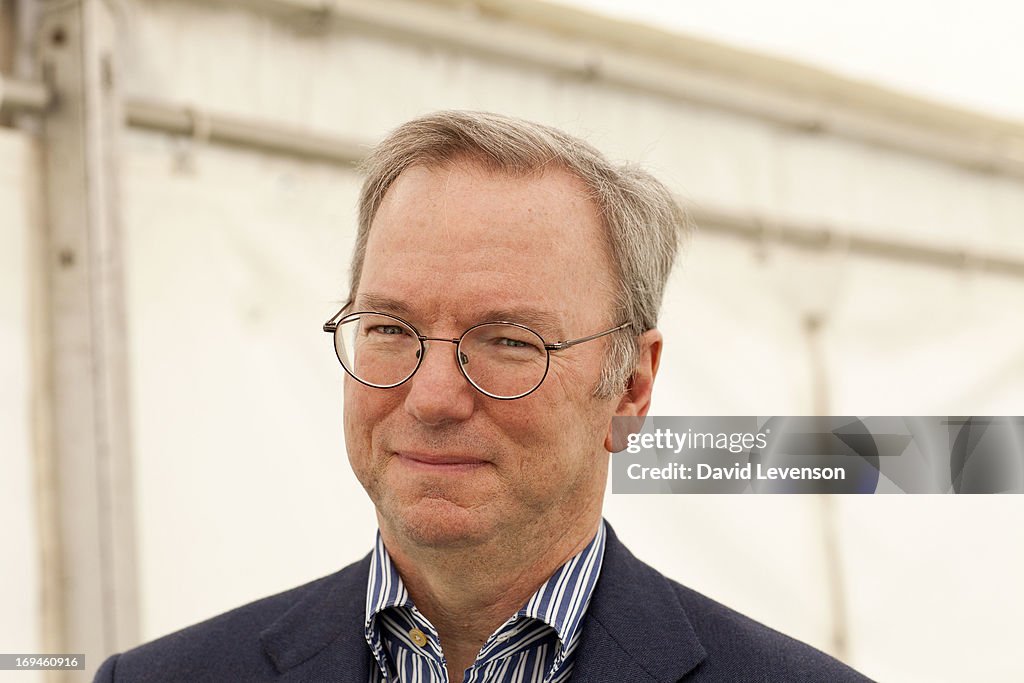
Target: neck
(467, 593)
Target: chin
(440, 523)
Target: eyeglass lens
(502, 360)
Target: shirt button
(418, 637)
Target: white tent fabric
(20, 591)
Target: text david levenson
(747, 472)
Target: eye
(516, 345)
(387, 330)
(500, 340)
(512, 343)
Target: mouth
(439, 462)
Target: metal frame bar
(277, 139)
(580, 45)
(20, 95)
(294, 142)
(246, 133)
(84, 461)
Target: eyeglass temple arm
(332, 323)
(558, 346)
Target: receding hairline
(481, 163)
(481, 167)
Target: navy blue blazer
(640, 628)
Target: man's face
(445, 465)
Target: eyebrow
(541, 320)
(384, 304)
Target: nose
(438, 392)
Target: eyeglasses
(503, 360)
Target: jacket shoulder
(642, 622)
(742, 649)
(229, 646)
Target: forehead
(463, 239)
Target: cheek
(364, 412)
(562, 434)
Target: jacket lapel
(321, 636)
(636, 628)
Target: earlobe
(636, 400)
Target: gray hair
(643, 222)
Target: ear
(636, 400)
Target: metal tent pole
(91, 601)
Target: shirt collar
(561, 602)
(385, 587)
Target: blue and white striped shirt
(537, 644)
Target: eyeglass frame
(331, 327)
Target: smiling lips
(439, 462)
